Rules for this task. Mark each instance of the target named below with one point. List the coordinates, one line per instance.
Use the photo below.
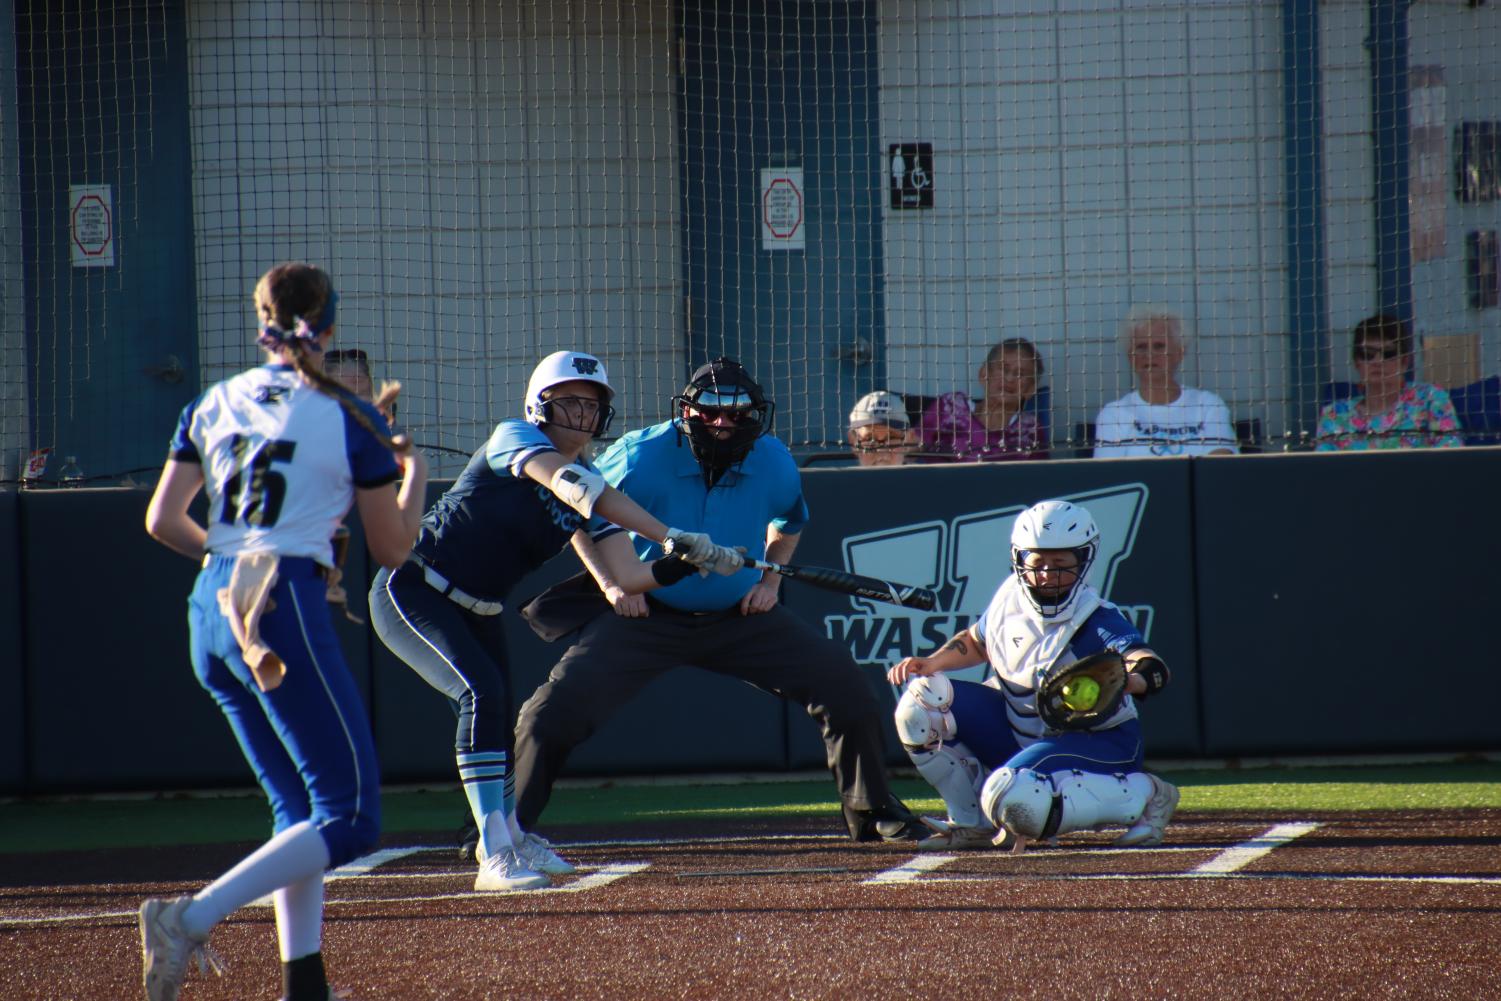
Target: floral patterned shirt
(1419, 419)
(951, 427)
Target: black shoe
(892, 822)
(468, 837)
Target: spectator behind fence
(1006, 423)
(880, 431)
(350, 367)
(1161, 416)
(1387, 411)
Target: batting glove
(724, 561)
(695, 547)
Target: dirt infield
(1231, 906)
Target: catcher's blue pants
(980, 712)
(307, 740)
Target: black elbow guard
(671, 569)
(1155, 672)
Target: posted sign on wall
(782, 209)
(91, 225)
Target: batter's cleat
(1152, 824)
(893, 822)
(538, 854)
(166, 948)
(505, 871)
(948, 836)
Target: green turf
(81, 824)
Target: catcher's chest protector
(1020, 643)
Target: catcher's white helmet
(1054, 525)
(567, 366)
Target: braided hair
(285, 298)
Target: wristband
(1154, 672)
(671, 569)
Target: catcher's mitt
(1063, 699)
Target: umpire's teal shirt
(656, 469)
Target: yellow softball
(1081, 694)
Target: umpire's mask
(722, 411)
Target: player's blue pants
(461, 654)
(980, 712)
(307, 740)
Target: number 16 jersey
(280, 462)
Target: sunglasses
(1366, 352)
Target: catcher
(1050, 743)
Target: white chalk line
(1225, 863)
(921, 870)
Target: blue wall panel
(777, 83)
(13, 724)
(1343, 599)
(111, 698)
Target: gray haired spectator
(1161, 416)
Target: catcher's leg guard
(1162, 800)
(923, 720)
(1021, 801)
(1093, 800)
(955, 773)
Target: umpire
(738, 483)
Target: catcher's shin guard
(1021, 801)
(955, 773)
(1091, 800)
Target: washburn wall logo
(965, 560)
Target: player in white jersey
(282, 451)
(983, 745)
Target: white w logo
(965, 560)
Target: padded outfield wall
(1308, 604)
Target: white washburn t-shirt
(1021, 645)
(280, 462)
(1196, 423)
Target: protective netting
(847, 196)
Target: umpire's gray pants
(614, 658)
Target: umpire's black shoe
(468, 837)
(892, 822)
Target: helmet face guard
(1053, 526)
(569, 366)
(1055, 599)
(722, 411)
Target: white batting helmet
(567, 366)
(1057, 525)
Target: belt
(459, 597)
(657, 604)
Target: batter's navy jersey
(280, 462)
(495, 524)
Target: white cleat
(506, 871)
(538, 854)
(1150, 828)
(166, 948)
(948, 836)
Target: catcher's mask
(571, 412)
(722, 411)
(1053, 525)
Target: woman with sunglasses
(1387, 410)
